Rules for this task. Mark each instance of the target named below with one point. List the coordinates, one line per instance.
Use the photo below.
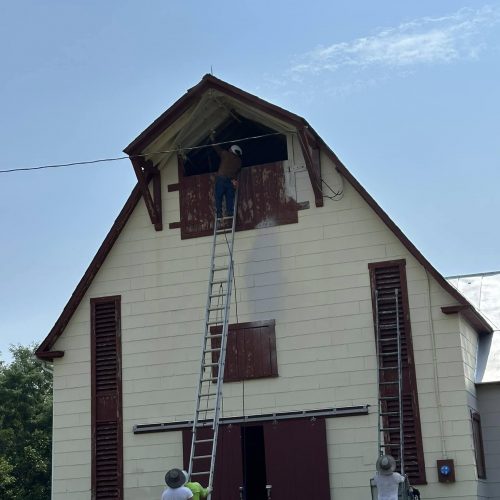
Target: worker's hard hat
(175, 478)
(235, 149)
(386, 465)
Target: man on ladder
(226, 180)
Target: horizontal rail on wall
(345, 411)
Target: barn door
(297, 459)
(228, 465)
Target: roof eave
(179, 107)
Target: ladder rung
(218, 308)
(388, 413)
(390, 353)
(218, 282)
(204, 410)
(390, 445)
(199, 441)
(214, 336)
(218, 295)
(387, 299)
(389, 383)
(220, 268)
(199, 473)
(388, 339)
(208, 395)
(384, 368)
(210, 364)
(213, 349)
(214, 322)
(225, 230)
(388, 326)
(209, 379)
(388, 429)
(389, 398)
(201, 457)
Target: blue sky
(406, 93)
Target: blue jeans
(224, 188)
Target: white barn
(301, 398)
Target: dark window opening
(478, 445)
(260, 151)
(254, 463)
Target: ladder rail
(384, 428)
(203, 345)
(222, 355)
(400, 388)
(205, 388)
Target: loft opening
(268, 149)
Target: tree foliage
(25, 427)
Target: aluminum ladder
(209, 391)
(389, 375)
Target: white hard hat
(235, 149)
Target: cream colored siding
(312, 278)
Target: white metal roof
(483, 291)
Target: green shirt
(198, 491)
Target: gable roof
(152, 132)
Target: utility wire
(118, 158)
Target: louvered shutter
(386, 277)
(107, 463)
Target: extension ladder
(390, 375)
(209, 391)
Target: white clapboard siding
(312, 278)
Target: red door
(228, 465)
(297, 459)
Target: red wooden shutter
(385, 278)
(250, 351)
(297, 459)
(107, 462)
(263, 200)
(228, 466)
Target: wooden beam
(454, 309)
(313, 175)
(141, 169)
(157, 199)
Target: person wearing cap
(226, 180)
(386, 479)
(176, 479)
(196, 488)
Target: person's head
(386, 465)
(175, 478)
(236, 150)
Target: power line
(118, 158)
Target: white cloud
(421, 41)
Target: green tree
(25, 427)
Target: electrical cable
(118, 158)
